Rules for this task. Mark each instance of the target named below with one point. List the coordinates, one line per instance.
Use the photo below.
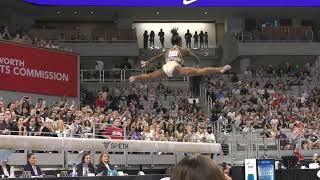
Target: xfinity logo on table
(233, 3)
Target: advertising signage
(29, 69)
(239, 3)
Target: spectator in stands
(114, 132)
(76, 129)
(45, 113)
(38, 117)
(101, 102)
(85, 167)
(188, 37)
(69, 117)
(40, 105)
(33, 127)
(5, 169)
(161, 37)
(32, 165)
(134, 133)
(151, 39)
(48, 129)
(209, 136)
(146, 134)
(248, 128)
(296, 135)
(282, 139)
(158, 133)
(189, 134)
(18, 128)
(195, 40)
(311, 140)
(87, 128)
(61, 129)
(3, 125)
(104, 164)
(195, 168)
(206, 40)
(194, 107)
(24, 106)
(201, 37)
(145, 39)
(180, 132)
(200, 134)
(170, 134)
(5, 33)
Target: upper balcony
(278, 34)
(283, 40)
(95, 42)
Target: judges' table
(297, 174)
(289, 174)
(146, 177)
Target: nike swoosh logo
(186, 2)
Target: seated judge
(316, 158)
(315, 163)
(85, 167)
(104, 164)
(32, 165)
(5, 169)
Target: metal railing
(267, 37)
(118, 75)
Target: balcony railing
(118, 75)
(278, 34)
(96, 35)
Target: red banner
(30, 69)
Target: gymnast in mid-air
(174, 61)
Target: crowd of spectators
(26, 38)
(276, 102)
(134, 113)
(282, 101)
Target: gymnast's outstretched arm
(195, 58)
(153, 59)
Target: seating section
(280, 33)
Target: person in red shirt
(100, 101)
(115, 131)
(292, 117)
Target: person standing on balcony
(188, 37)
(161, 37)
(206, 40)
(195, 40)
(151, 38)
(145, 39)
(201, 36)
(5, 33)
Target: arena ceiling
(20, 8)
